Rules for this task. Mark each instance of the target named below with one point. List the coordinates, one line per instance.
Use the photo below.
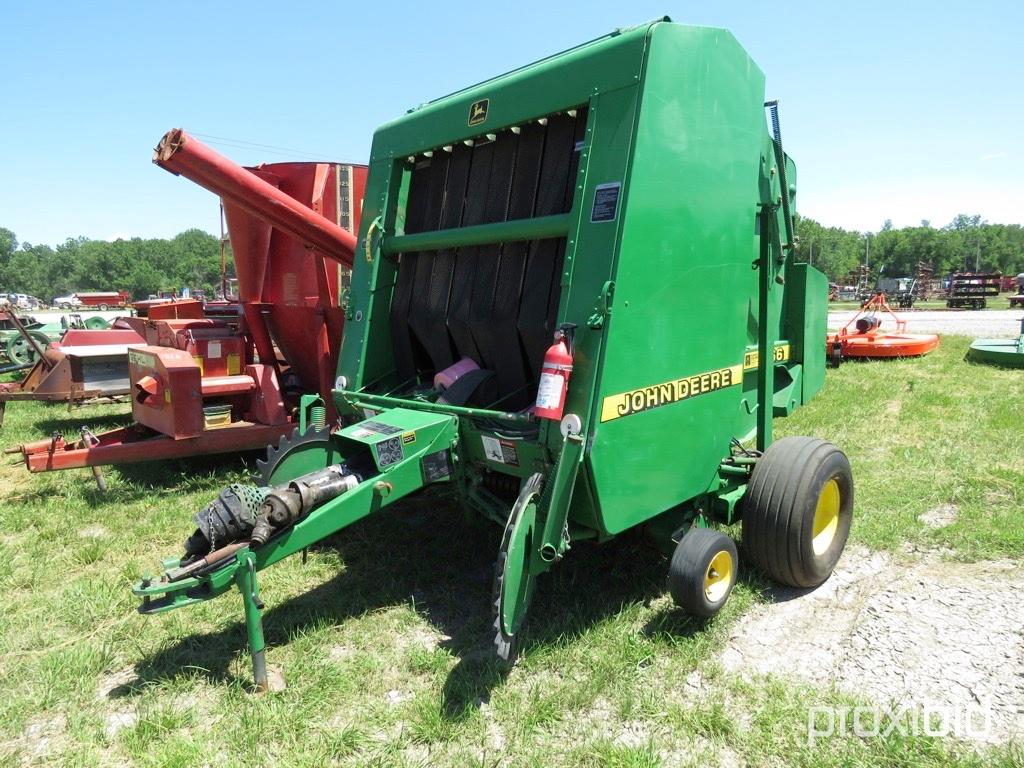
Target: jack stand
(246, 581)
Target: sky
(906, 111)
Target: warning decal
(389, 452)
(501, 451)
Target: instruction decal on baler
(646, 398)
(606, 202)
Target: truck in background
(101, 300)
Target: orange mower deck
(864, 337)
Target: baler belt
(467, 258)
(544, 261)
(494, 303)
(465, 387)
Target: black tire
(694, 585)
(103, 307)
(795, 477)
(836, 355)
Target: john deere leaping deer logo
(478, 111)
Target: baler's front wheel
(702, 571)
(797, 511)
(513, 572)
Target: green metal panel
(557, 82)
(662, 292)
(685, 299)
(806, 310)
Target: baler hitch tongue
(247, 527)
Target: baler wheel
(296, 455)
(702, 571)
(513, 577)
(798, 510)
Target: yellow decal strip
(750, 359)
(646, 398)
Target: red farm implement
(202, 384)
(864, 336)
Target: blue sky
(906, 111)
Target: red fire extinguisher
(554, 375)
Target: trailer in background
(972, 289)
(103, 300)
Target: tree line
(966, 244)
(192, 258)
(140, 266)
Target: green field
(384, 637)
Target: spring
(318, 416)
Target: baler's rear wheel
(297, 455)
(798, 510)
(513, 578)
(702, 571)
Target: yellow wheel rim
(718, 576)
(826, 518)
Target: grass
(926, 432)
(384, 634)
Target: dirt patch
(116, 721)
(116, 684)
(931, 634)
(275, 679)
(43, 738)
(940, 516)
(396, 697)
(339, 653)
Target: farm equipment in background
(901, 289)
(862, 277)
(204, 383)
(864, 337)
(101, 300)
(538, 323)
(1006, 353)
(22, 338)
(1018, 298)
(89, 363)
(972, 289)
(906, 291)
